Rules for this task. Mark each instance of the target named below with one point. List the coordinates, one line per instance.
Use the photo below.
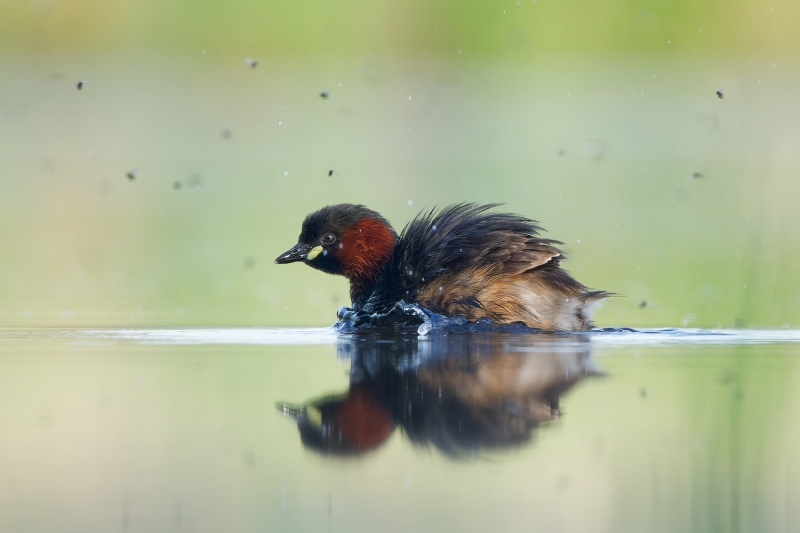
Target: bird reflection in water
(460, 393)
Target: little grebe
(459, 261)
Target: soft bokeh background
(589, 117)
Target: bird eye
(328, 238)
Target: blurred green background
(593, 118)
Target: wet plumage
(463, 260)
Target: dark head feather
(335, 219)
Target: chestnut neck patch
(366, 248)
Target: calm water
(300, 430)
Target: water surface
(302, 430)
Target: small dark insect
(643, 392)
(132, 174)
(250, 61)
(249, 262)
(720, 94)
(332, 172)
(81, 83)
(325, 94)
(643, 304)
(561, 152)
(695, 175)
(226, 133)
(177, 185)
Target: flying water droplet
(424, 328)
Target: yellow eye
(328, 238)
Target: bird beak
(298, 252)
(297, 414)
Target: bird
(461, 261)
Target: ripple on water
(309, 336)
